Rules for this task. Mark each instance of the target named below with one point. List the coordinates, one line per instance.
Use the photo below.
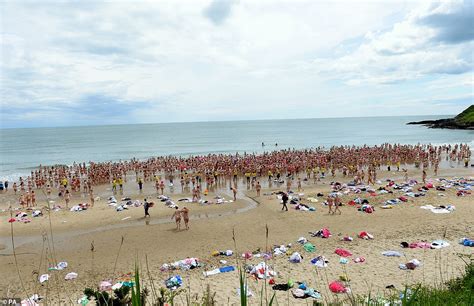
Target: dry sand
(74, 234)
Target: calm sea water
(21, 150)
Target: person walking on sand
(177, 218)
(330, 201)
(258, 187)
(185, 213)
(67, 197)
(33, 198)
(146, 206)
(423, 176)
(48, 191)
(337, 203)
(284, 200)
(162, 187)
(234, 191)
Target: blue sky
(92, 62)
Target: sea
(24, 149)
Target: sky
(116, 62)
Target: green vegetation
(459, 291)
(464, 120)
(466, 117)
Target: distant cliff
(464, 120)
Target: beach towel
(392, 254)
(421, 245)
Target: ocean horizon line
(213, 121)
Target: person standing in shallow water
(234, 191)
(258, 187)
(140, 184)
(67, 197)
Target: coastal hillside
(466, 117)
(464, 120)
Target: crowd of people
(359, 162)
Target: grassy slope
(467, 116)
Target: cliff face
(464, 120)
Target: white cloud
(410, 49)
(226, 59)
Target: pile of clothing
(365, 235)
(467, 242)
(126, 204)
(338, 287)
(320, 261)
(20, 217)
(80, 207)
(280, 250)
(296, 257)
(173, 282)
(367, 208)
(411, 265)
(222, 253)
(184, 264)
(323, 233)
(262, 271)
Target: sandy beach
(90, 241)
